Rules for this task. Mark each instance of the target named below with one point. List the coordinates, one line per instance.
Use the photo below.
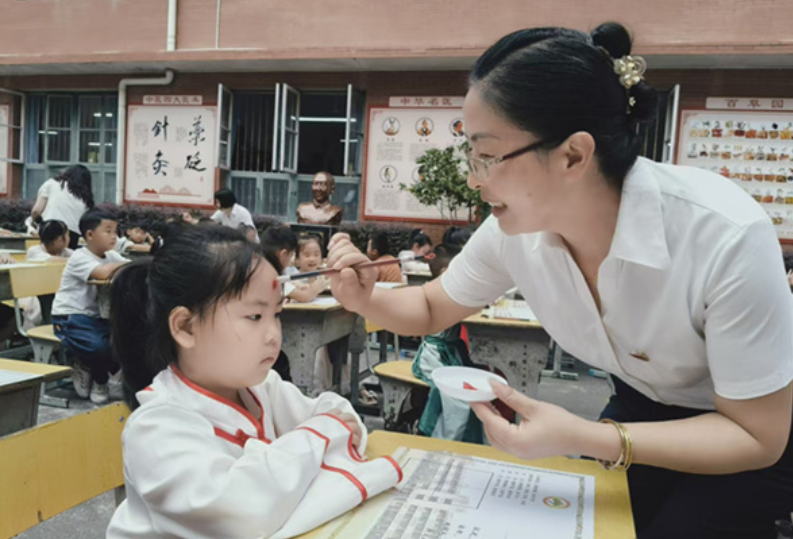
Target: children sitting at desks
(75, 311)
(54, 246)
(445, 417)
(137, 240)
(218, 444)
(419, 244)
(377, 249)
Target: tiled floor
(585, 397)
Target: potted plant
(442, 183)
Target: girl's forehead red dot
(275, 284)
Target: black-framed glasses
(481, 167)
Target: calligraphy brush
(308, 275)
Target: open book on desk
(511, 309)
(449, 495)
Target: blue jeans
(88, 340)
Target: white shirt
(239, 216)
(38, 253)
(412, 266)
(62, 205)
(694, 281)
(75, 295)
(198, 466)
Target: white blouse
(694, 298)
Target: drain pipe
(121, 148)
(170, 42)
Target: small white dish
(466, 383)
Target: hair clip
(630, 70)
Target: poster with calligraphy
(171, 155)
(5, 149)
(397, 137)
(753, 149)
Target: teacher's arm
(38, 207)
(748, 313)
(411, 310)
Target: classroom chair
(56, 466)
(397, 380)
(42, 281)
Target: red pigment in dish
(468, 386)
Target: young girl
(218, 445)
(54, 246)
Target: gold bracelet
(626, 448)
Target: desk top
(49, 372)
(14, 381)
(480, 319)
(613, 516)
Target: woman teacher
(670, 278)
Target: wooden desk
(517, 348)
(17, 254)
(613, 517)
(19, 242)
(305, 328)
(20, 390)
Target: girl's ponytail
(129, 301)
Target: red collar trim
(189, 383)
(354, 455)
(347, 475)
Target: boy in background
(75, 311)
(445, 417)
(377, 249)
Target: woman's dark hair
(277, 237)
(77, 179)
(380, 243)
(420, 239)
(457, 236)
(196, 269)
(51, 230)
(226, 198)
(554, 82)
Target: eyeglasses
(481, 167)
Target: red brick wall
(44, 31)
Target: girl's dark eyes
(255, 317)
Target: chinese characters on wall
(171, 155)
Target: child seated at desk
(136, 240)
(75, 311)
(54, 246)
(218, 444)
(377, 249)
(445, 417)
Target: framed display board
(396, 138)
(753, 149)
(170, 155)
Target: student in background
(75, 311)
(309, 258)
(136, 240)
(419, 244)
(66, 198)
(249, 231)
(445, 417)
(229, 213)
(218, 444)
(54, 246)
(457, 236)
(377, 249)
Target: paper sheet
(446, 496)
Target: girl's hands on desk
(545, 430)
(352, 422)
(352, 287)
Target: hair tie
(631, 72)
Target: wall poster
(170, 155)
(396, 138)
(753, 149)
